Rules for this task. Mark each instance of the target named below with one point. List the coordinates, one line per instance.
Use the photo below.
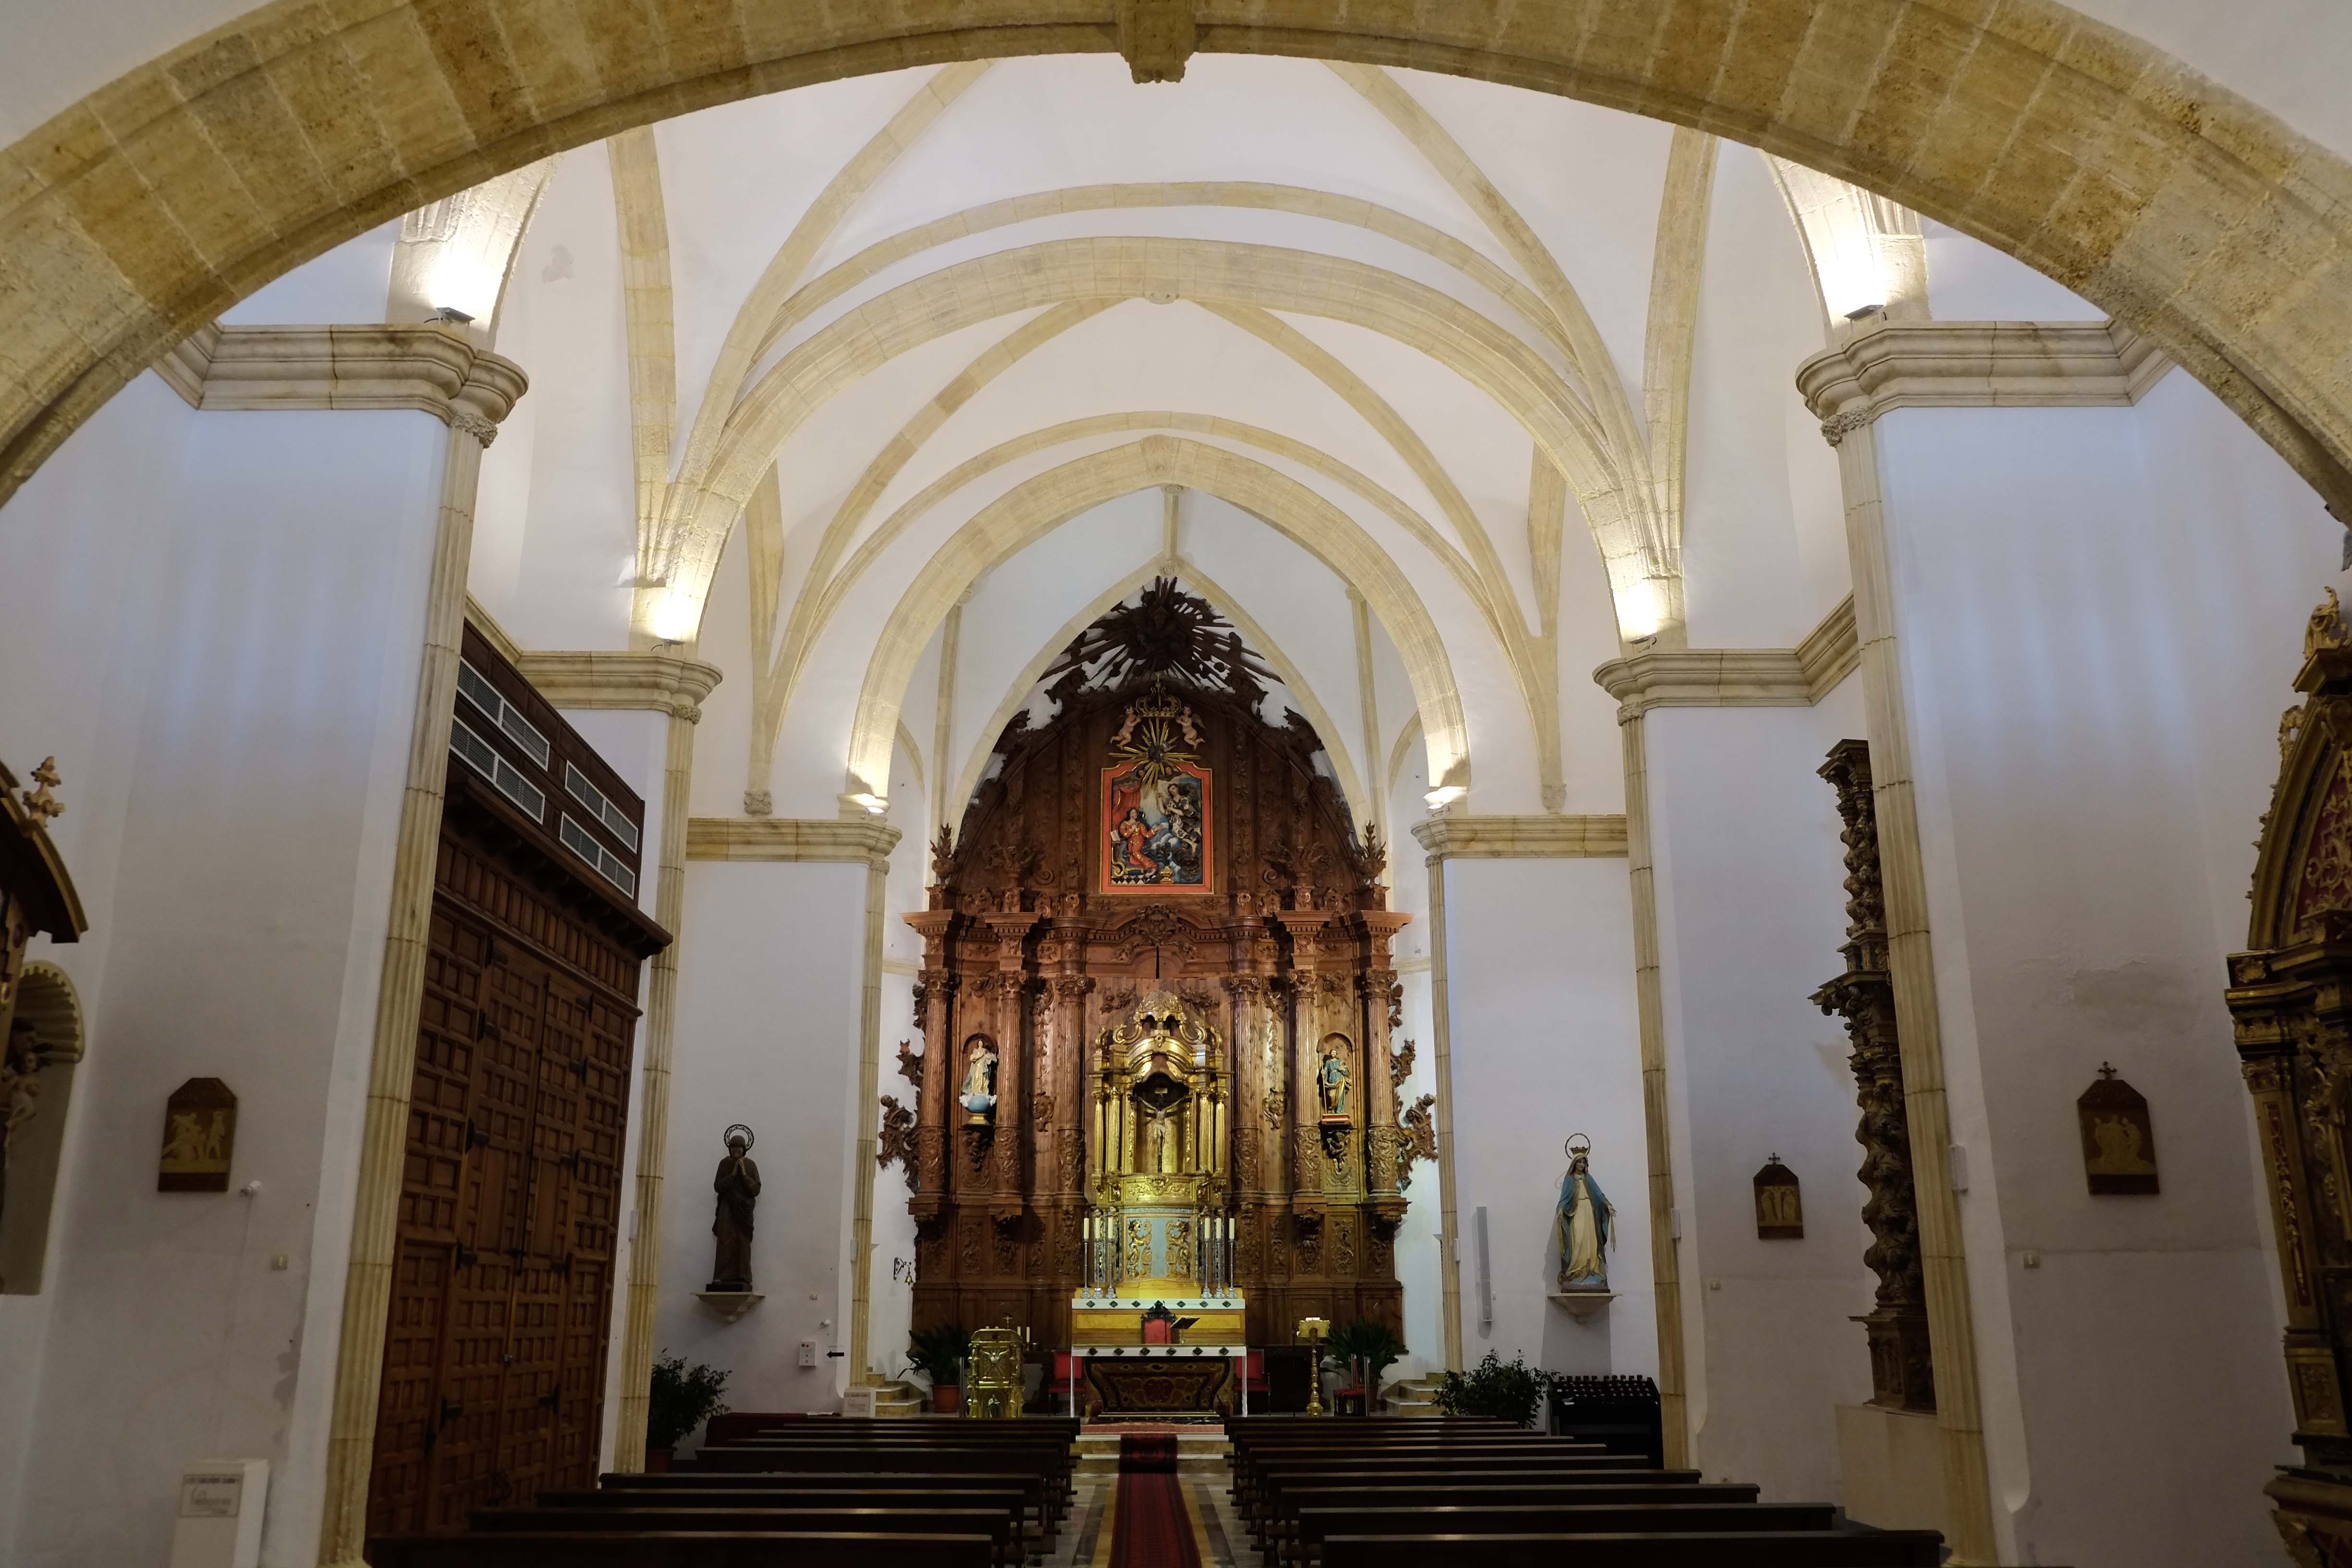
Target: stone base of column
(1892, 1462)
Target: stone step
(1205, 1451)
(900, 1398)
(1414, 1397)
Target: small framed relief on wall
(2119, 1140)
(1780, 1206)
(199, 1138)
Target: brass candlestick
(1310, 1333)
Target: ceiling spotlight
(1864, 312)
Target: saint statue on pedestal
(1333, 1078)
(977, 1095)
(738, 1187)
(1585, 1226)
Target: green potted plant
(1368, 1344)
(1511, 1391)
(682, 1398)
(940, 1354)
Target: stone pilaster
(472, 407)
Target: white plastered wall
(228, 610)
(1751, 910)
(2098, 613)
(1539, 973)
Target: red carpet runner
(1152, 1529)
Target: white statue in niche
(1585, 1224)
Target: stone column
(675, 687)
(487, 389)
(1849, 388)
(1665, 1263)
(1449, 1268)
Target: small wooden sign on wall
(199, 1138)
(1780, 1204)
(2119, 1140)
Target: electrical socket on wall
(808, 1353)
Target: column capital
(1448, 837)
(426, 368)
(1977, 364)
(867, 843)
(658, 682)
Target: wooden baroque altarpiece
(1155, 954)
(2290, 998)
(1901, 1367)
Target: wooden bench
(679, 1514)
(1252, 1484)
(592, 1549)
(1308, 1528)
(1251, 1461)
(1295, 1501)
(1267, 1504)
(736, 1425)
(1848, 1548)
(1038, 1499)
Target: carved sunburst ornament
(1168, 634)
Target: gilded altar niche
(1156, 951)
(2290, 998)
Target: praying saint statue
(977, 1095)
(1585, 1226)
(738, 1187)
(1333, 1078)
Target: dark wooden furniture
(1284, 943)
(502, 1289)
(1390, 1493)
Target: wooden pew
(1847, 1548)
(736, 1425)
(1267, 1504)
(762, 1455)
(1252, 1483)
(677, 1513)
(590, 1548)
(1038, 1498)
(1249, 1462)
(1308, 1528)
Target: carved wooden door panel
(494, 1368)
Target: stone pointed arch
(2197, 217)
(1260, 642)
(1213, 273)
(1035, 508)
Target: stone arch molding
(1017, 695)
(2196, 218)
(1035, 508)
(1217, 274)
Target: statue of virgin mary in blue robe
(1585, 1226)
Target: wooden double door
(502, 1291)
